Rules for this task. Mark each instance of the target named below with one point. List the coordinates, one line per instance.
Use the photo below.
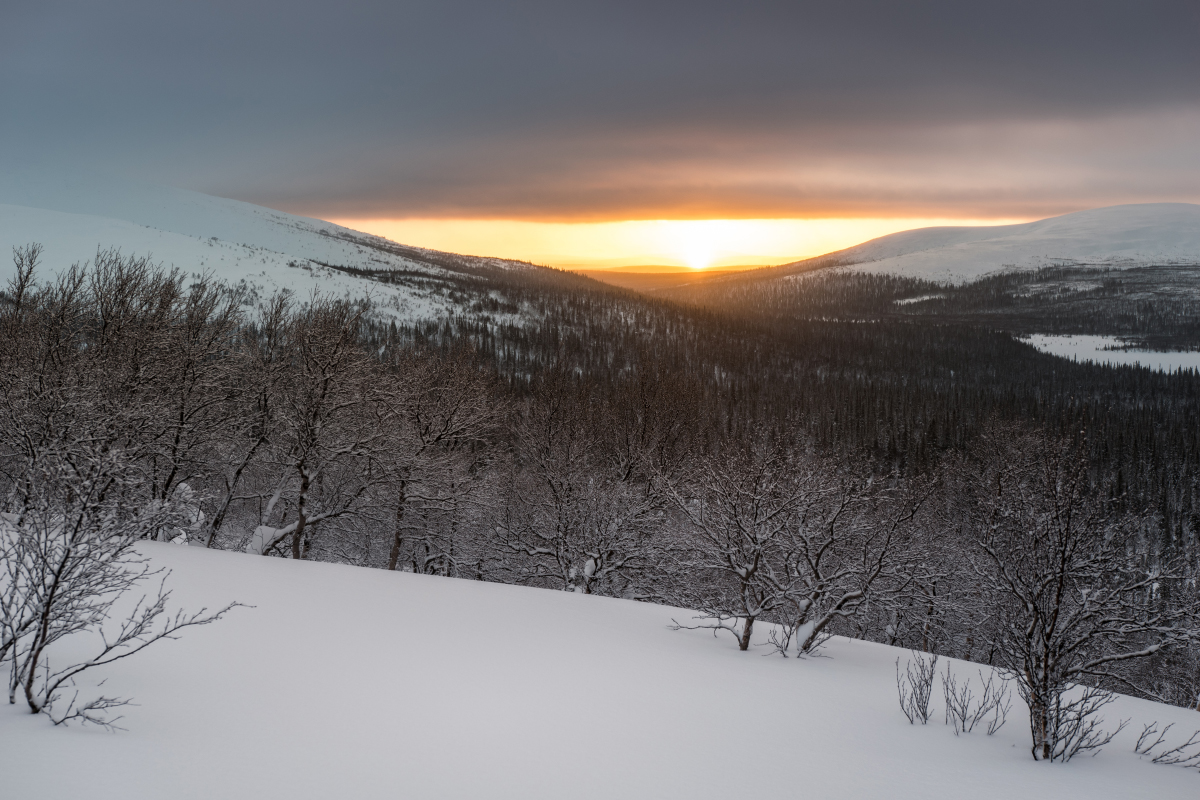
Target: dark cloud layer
(616, 109)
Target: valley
(449, 424)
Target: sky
(581, 131)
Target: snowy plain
(1105, 350)
(344, 682)
(1116, 236)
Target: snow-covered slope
(71, 238)
(351, 683)
(72, 216)
(1122, 236)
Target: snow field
(256, 248)
(1118, 236)
(1097, 349)
(74, 238)
(356, 683)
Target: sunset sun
(700, 243)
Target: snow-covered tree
(325, 438)
(67, 558)
(575, 512)
(1078, 598)
(789, 537)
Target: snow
(910, 300)
(347, 682)
(1098, 349)
(69, 238)
(804, 632)
(238, 243)
(1117, 236)
(195, 216)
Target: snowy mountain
(72, 216)
(348, 682)
(1117, 236)
(239, 243)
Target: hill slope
(238, 243)
(1119, 236)
(346, 682)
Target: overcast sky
(616, 110)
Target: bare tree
(965, 708)
(69, 559)
(915, 687)
(322, 445)
(848, 543)
(1077, 598)
(198, 387)
(792, 539)
(258, 363)
(79, 423)
(575, 511)
(438, 414)
(741, 507)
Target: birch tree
(1079, 599)
(741, 506)
(574, 513)
(323, 445)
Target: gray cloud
(592, 110)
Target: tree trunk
(298, 534)
(744, 642)
(1037, 718)
(397, 530)
(230, 490)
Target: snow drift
(348, 682)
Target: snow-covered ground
(238, 243)
(351, 683)
(1120, 236)
(1098, 349)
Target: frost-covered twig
(93, 712)
(713, 621)
(915, 687)
(964, 711)
(1184, 755)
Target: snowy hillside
(236, 242)
(1119, 236)
(355, 683)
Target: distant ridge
(1126, 235)
(661, 269)
(654, 281)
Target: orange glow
(698, 244)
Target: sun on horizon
(697, 244)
